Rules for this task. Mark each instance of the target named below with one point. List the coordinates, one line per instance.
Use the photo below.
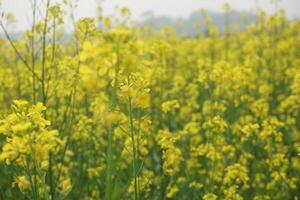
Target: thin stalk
(32, 184)
(52, 56)
(17, 51)
(71, 103)
(108, 187)
(32, 43)
(110, 152)
(52, 189)
(134, 160)
(53, 40)
(43, 74)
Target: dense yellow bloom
(129, 112)
(236, 174)
(27, 135)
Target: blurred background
(160, 13)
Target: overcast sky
(174, 8)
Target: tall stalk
(17, 52)
(69, 114)
(134, 158)
(110, 150)
(32, 44)
(43, 73)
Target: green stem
(133, 150)
(108, 187)
(33, 52)
(44, 98)
(110, 152)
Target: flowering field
(126, 112)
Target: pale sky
(174, 8)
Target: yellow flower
(172, 190)
(170, 106)
(143, 100)
(65, 186)
(22, 182)
(23, 126)
(210, 196)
